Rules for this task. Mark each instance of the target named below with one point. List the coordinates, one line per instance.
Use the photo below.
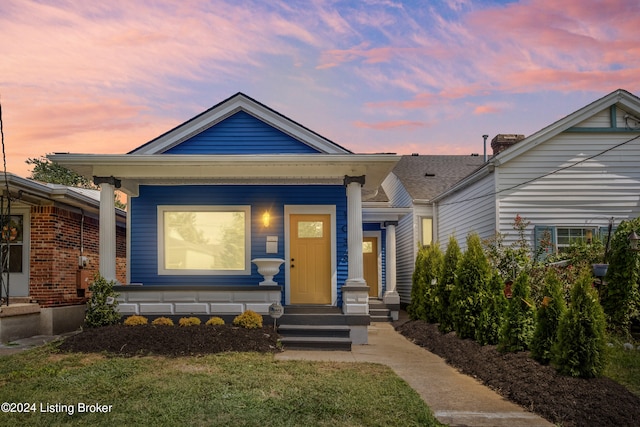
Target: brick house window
(12, 242)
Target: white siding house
(571, 178)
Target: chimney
(502, 141)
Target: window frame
(594, 235)
(422, 230)
(163, 271)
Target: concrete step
(315, 337)
(379, 311)
(316, 343)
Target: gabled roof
(620, 97)
(625, 100)
(229, 107)
(426, 176)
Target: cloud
(392, 124)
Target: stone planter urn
(268, 267)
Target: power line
(494, 193)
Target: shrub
(493, 311)
(444, 286)
(416, 308)
(547, 318)
(426, 275)
(215, 321)
(162, 321)
(517, 328)
(136, 320)
(620, 296)
(580, 350)
(189, 321)
(249, 319)
(467, 296)
(102, 306)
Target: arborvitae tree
(446, 283)
(620, 296)
(467, 296)
(101, 310)
(580, 350)
(548, 317)
(427, 272)
(517, 326)
(493, 311)
(416, 308)
(434, 260)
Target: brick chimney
(502, 141)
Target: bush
(467, 296)
(249, 319)
(493, 311)
(136, 320)
(446, 284)
(162, 321)
(416, 308)
(426, 275)
(214, 321)
(580, 350)
(620, 296)
(102, 306)
(189, 321)
(547, 318)
(518, 325)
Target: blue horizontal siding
(143, 212)
(241, 133)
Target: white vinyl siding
(469, 210)
(585, 195)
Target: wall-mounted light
(266, 219)
(633, 241)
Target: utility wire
(541, 176)
(4, 236)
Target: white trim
(377, 235)
(22, 280)
(310, 209)
(204, 208)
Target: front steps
(317, 328)
(378, 311)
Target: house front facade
(237, 187)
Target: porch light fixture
(266, 219)
(633, 241)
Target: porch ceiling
(135, 170)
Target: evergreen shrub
(547, 318)
(518, 324)
(102, 305)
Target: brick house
(53, 244)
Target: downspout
(485, 147)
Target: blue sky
(374, 76)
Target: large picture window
(203, 240)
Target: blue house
(238, 187)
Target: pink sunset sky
(429, 77)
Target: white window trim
(594, 231)
(204, 208)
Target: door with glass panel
(370, 264)
(310, 263)
(15, 258)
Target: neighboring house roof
(571, 123)
(426, 176)
(36, 192)
(227, 108)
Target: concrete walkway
(456, 399)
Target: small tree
(517, 328)
(548, 317)
(467, 296)
(620, 296)
(493, 311)
(580, 350)
(415, 309)
(101, 310)
(426, 275)
(446, 283)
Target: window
(566, 236)
(12, 234)
(427, 231)
(204, 240)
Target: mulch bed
(560, 399)
(142, 340)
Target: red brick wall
(55, 248)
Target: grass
(233, 389)
(624, 366)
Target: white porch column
(355, 292)
(107, 226)
(391, 297)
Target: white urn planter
(268, 267)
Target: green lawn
(239, 389)
(624, 366)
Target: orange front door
(370, 264)
(310, 263)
